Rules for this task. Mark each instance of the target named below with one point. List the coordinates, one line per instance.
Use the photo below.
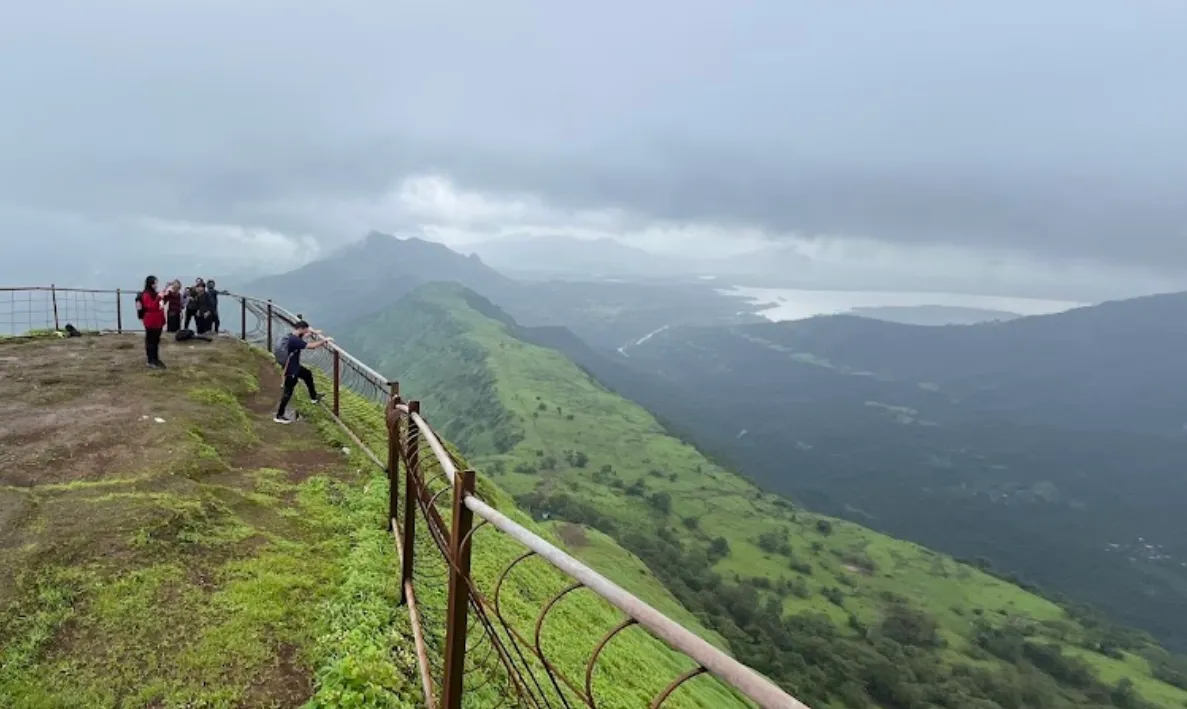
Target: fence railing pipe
(751, 683)
(435, 444)
(363, 367)
(119, 311)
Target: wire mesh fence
(32, 310)
(522, 624)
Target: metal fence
(479, 633)
(48, 308)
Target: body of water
(797, 304)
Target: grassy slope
(600, 552)
(200, 575)
(549, 407)
(226, 577)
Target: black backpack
(140, 305)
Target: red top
(154, 316)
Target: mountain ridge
(369, 275)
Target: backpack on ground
(183, 335)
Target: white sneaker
(279, 419)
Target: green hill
(838, 614)
(1051, 447)
(163, 544)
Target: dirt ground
(85, 408)
(113, 468)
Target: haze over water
(798, 304)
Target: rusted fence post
(411, 471)
(337, 377)
(119, 311)
(53, 294)
(243, 319)
(393, 464)
(459, 596)
(270, 343)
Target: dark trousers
(215, 323)
(152, 344)
(290, 383)
(201, 324)
(174, 322)
(188, 317)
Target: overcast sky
(920, 137)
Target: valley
(818, 603)
(1029, 452)
(1043, 445)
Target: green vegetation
(838, 614)
(601, 552)
(1052, 446)
(188, 575)
(225, 561)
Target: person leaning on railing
(288, 355)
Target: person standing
(150, 307)
(288, 355)
(173, 304)
(212, 299)
(202, 312)
(191, 301)
(190, 305)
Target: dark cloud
(1054, 128)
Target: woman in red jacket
(152, 312)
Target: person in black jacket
(212, 297)
(191, 302)
(202, 309)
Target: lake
(797, 304)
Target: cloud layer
(1043, 141)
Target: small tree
(661, 501)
